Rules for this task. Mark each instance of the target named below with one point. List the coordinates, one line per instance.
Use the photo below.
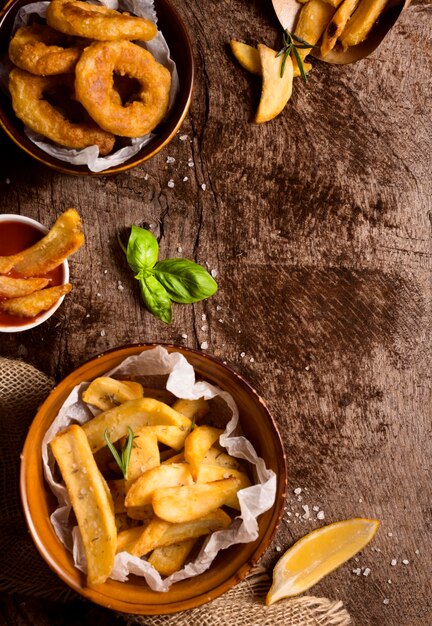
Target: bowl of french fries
(34, 271)
(153, 479)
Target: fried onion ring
(97, 22)
(38, 114)
(94, 87)
(38, 49)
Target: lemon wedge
(317, 554)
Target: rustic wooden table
(319, 227)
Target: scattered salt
(357, 571)
(183, 137)
(88, 315)
(203, 186)
(103, 333)
(366, 571)
(386, 601)
(389, 581)
(204, 328)
(171, 183)
(416, 551)
(218, 308)
(297, 491)
(170, 160)
(242, 354)
(204, 317)
(120, 286)
(105, 271)
(185, 179)
(146, 176)
(315, 508)
(204, 345)
(320, 515)
(405, 561)
(389, 534)
(221, 321)
(184, 336)
(252, 360)
(278, 548)
(98, 295)
(306, 511)
(393, 562)
(190, 163)
(179, 249)
(214, 273)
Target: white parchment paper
(159, 49)
(253, 500)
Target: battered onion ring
(94, 87)
(38, 114)
(37, 49)
(97, 22)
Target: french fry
(64, 238)
(276, 89)
(249, 57)
(313, 19)
(337, 25)
(142, 490)
(197, 445)
(7, 262)
(18, 287)
(193, 409)
(144, 455)
(191, 502)
(134, 414)
(34, 303)
(159, 533)
(170, 559)
(210, 473)
(90, 500)
(127, 539)
(360, 25)
(171, 436)
(217, 457)
(118, 493)
(105, 392)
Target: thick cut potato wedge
(35, 303)
(144, 455)
(276, 89)
(337, 25)
(106, 393)
(159, 533)
(193, 409)
(313, 20)
(197, 445)
(210, 473)
(217, 457)
(118, 493)
(64, 238)
(134, 413)
(361, 23)
(170, 559)
(247, 56)
(171, 436)
(17, 287)
(189, 503)
(172, 475)
(7, 262)
(127, 539)
(144, 512)
(90, 499)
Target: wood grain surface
(319, 226)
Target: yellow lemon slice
(317, 554)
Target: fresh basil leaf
(155, 297)
(184, 280)
(142, 249)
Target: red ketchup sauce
(15, 237)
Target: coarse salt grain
(103, 333)
(214, 273)
(242, 354)
(320, 515)
(357, 571)
(315, 508)
(416, 551)
(179, 249)
(184, 336)
(218, 308)
(366, 571)
(393, 562)
(203, 186)
(278, 548)
(297, 491)
(204, 317)
(185, 179)
(146, 176)
(252, 360)
(386, 601)
(170, 160)
(120, 286)
(190, 163)
(204, 328)
(98, 295)
(389, 534)
(221, 321)
(204, 345)
(306, 511)
(405, 561)
(183, 137)
(170, 183)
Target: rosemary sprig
(123, 458)
(292, 44)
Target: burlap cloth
(22, 570)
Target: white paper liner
(253, 500)
(90, 156)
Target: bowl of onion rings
(88, 90)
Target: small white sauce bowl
(13, 217)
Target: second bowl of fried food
(186, 485)
(48, 99)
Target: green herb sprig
(123, 458)
(163, 282)
(292, 43)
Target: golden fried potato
(127, 539)
(247, 56)
(118, 493)
(64, 238)
(144, 455)
(191, 502)
(90, 499)
(337, 25)
(197, 445)
(7, 262)
(171, 436)
(217, 457)
(360, 25)
(276, 89)
(170, 559)
(134, 414)
(36, 302)
(193, 409)
(210, 473)
(313, 19)
(142, 490)
(144, 512)
(176, 458)
(159, 533)
(105, 392)
(18, 287)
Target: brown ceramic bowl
(179, 42)
(134, 596)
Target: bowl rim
(186, 93)
(23, 219)
(122, 605)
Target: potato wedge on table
(17, 287)
(90, 500)
(141, 491)
(64, 238)
(36, 302)
(170, 559)
(210, 473)
(276, 89)
(159, 533)
(360, 25)
(134, 414)
(249, 58)
(197, 445)
(190, 502)
(105, 392)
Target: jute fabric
(22, 570)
